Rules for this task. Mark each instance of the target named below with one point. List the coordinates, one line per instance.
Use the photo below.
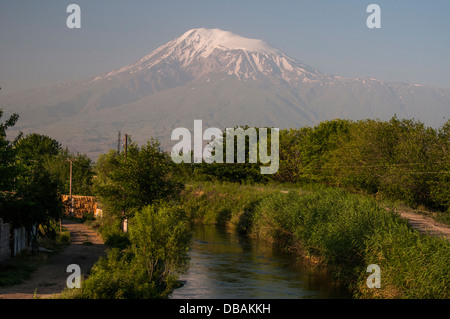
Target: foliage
(160, 239)
(36, 147)
(396, 159)
(33, 197)
(245, 172)
(46, 153)
(82, 172)
(226, 204)
(8, 171)
(33, 173)
(393, 160)
(128, 182)
(117, 276)
(36, 200)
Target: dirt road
(84, 250)
(426, 225)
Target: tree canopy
(129, 181)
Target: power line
(384, 165)
(442, 172)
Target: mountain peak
(201, 51)
(210, 39)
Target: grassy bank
(344, 232)
(225, 203)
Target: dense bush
(148, 267)
(396, 159)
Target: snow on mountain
(201, 51)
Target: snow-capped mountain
(221, 78)
(199, 52)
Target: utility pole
(70, 186)
(118, 144)
(126, 146)
(125, 220)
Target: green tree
(360, 160)
(291, 149)
(246, 172)
(160, 238)
(36, 147)
(128, 182)
(440, 185)
(82, 172)
(35, 199)
(8, 169)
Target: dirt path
(426, 225)
(84, 250)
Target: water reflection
(227, 266)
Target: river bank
(226, 265)
(334, 229)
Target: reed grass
(344, 232)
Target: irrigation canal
(224, 265)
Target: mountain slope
(218, 77)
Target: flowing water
(225, 265)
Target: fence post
(5, 249)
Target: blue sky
(37, 48)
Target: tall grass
(221, 202)
(346, 232)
